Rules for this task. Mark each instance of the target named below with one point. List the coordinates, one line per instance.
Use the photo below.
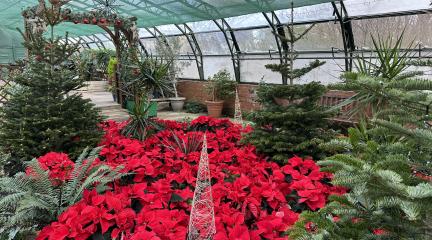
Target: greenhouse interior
(215, 119)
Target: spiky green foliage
(43, 114)
(378, 166)
(140, 126)
(297, 129)
(384, 84)
(142, 79)
(30, 201)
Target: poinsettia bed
(253, 198)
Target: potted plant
(220, 87)
(177, 103)
(143, 78)
(170, 53)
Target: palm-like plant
(30, 201)
(143, 78)
(384, 85)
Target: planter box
(152, 112)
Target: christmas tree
(43, 114)
(291, 122)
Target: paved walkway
(97, 93)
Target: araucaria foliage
(294, 128)
(43, 115)
(389, 197)
(386, 165)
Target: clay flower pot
(214, 108)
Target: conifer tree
(44, 115)
(385, 163)
(297, 128)
(288, 37)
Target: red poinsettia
(253, 198)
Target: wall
(195, 90)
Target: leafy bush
(195, 107)
(297, 129)
(389, 197)
(221, 86)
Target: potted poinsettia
(220, 87)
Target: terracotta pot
(214, 109)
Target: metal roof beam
(232, 45)
(196, 49)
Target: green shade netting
(151, 12)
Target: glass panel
(323, 36)
(214, 64)
(255, 71)
(326, 74)
(203, 26)
(188, 70)
(150, 45)
(373, 7)
(169, 29)
(212, 43)
(417, 30)
(322, 11)
(256, 19)
(180, 45)
(102, 37)
(257, 40)
(142, 32)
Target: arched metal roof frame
(208, 11)
(340, 16)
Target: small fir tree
(44, 115)
(297, 128)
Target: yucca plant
(186, 142)
(142, 79)
(140, 125)
(385, 85)
(30, 201)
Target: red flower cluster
(253, 198)
(58, 165)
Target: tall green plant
(387, 197)
(142, 79)
(288, 37)
(46, 113)
(295, 129)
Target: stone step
(95, 86)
